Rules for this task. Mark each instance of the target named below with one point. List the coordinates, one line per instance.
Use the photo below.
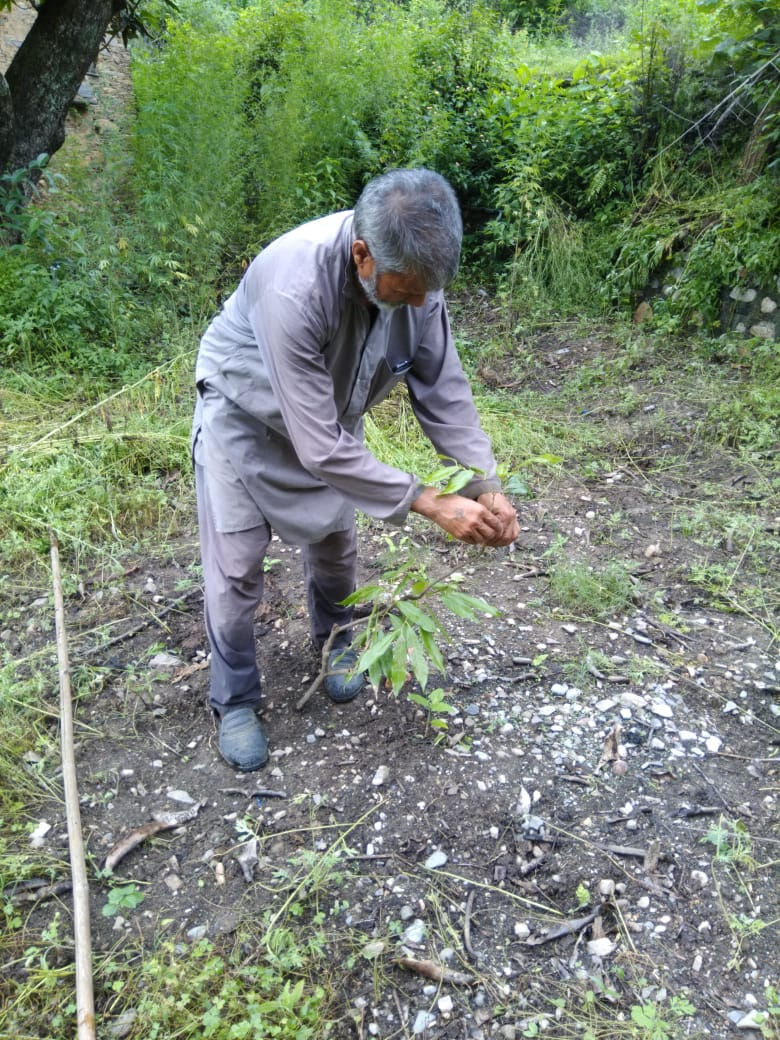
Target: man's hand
(490, 520)
(503, 510)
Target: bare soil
(636, 805)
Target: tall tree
(46, 73)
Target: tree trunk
(46, 73)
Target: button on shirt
(287, 371)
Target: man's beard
(368, 285)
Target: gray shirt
(285, 374)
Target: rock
(743, 295)
(85, 97)
(380, 776)
(423, 1021)
(123, 1024)
(436, 859)
(752, 1020)
(642, 313)
(40, 832)
(445, 1004)
(163, 662)
(200, 931)
(601, 947)
(182, 797)
(762, 330)
(661, 709)
(415, 933)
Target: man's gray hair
(411, 224)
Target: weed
(581, 590)
(122, 897)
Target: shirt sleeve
(444, 406)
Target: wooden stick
(85, 1001)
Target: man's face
(389, 290)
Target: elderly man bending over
(326, 320)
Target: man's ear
(363, 259)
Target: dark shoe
(342, 682)
(242, 740)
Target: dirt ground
(578, 828)
(609, 827)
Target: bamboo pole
(85, 1001)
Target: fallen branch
(160, 822)
(558, 931)
(436, 972)
(37, 891)
(85, 998)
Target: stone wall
(752, 310)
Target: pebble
(163, 662)
(662, 709)
(415, 933)
(122, 1024)
(381, 776)
(423, 1021)
(40, 832)
(436, 859)
(182, 797)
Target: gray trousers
(233, 584)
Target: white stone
(40, 832)
(687, 736)
(662, 709)
(182, 797)
(601, 947)
(165, 662)
(763, 330)
(632, 700)
(415, 933)
(752, 1020)
(381, 776)
(423, 1021)
(445, 1004)
(743, 295)
(768, 305)
(436, 859)
(713, 744)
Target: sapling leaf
(365, 594)
(398, 667)
(376, 651)
(465, 606)
(432, 650)
(417, 616)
